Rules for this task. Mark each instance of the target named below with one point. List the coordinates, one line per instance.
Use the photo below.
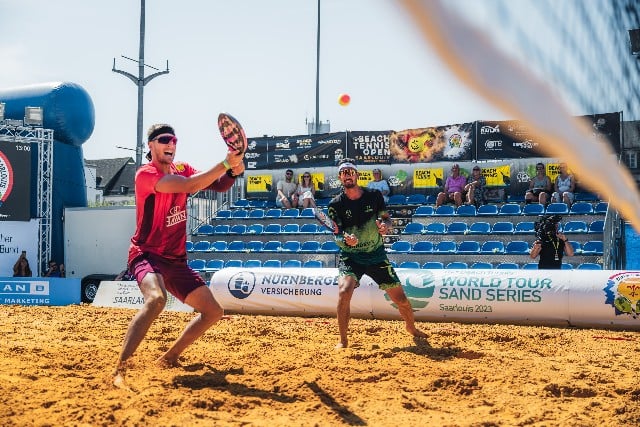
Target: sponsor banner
(257, 155)
(39, 291)
(427, 145)
(514, 139)
(428, 178)
(369, 148)
(15, 181)
(15, 237)
(581, 298)
(259, 184)
(303, 151)
(496, 176)
(126, 294)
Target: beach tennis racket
(324, 220)
(232, 133)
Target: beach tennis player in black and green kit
(362, 219)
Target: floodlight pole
(317, 124)
(140, 81)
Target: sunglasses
(306, 176)
(288, 174)
(166, 138)
(348, 172)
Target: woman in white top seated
(306, 192)
(563, 186)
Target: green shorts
(382, 273)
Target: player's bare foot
(167, 363)
(417, 333)
(341, 345)
(119, 382)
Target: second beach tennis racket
(232, 133)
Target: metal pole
(317, 125)
(140, 81)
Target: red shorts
(179, 279)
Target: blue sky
(253, 58)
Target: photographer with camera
(550, 244)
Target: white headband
(347, 166)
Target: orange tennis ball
(344, 99)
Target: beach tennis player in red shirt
(157, 255)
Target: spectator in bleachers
(361, 220)
(286, 196)
(157, 253)
(564, 186)
(539, 187)
(21, 267)
(306, 191)
(453, 188)
(54, 270)
(380, 184)
(475, 187)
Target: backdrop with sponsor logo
(413, 160)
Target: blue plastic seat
(577, 246)
(189, 246)
(313, 263)
(308, 228)
(416, 199)
(433, 265)
(201, 246)
(256, 229)
(256, 214)
(236, 246)
(197, 264)
(581, 208)
(457, 265)
(291, 228)
(575, 227)
(492, 247)
(400, 246)
(423, 211)
(422, 247)
(292, 263)
(291, 213)
(219, 246)
(589, 266)
(214, 265)
(252, 263)
(480, 227)
(413, 228)
(272, 229)
(596, 226)
(509, 209)
(272, 263)
(517, 247)
(533, 209)
(241, 203)
(204, 230)
(233, 263)
(272, 246)
(557, 209)
(291, 246)
(457, 227)
(254, 245)
(223, 214)
(502, 227)
(397, 199)
(601, 208)
(329, 246)
(585, 196)
(273, 213)
(445, 246)
(525, 227)
(310, 246)
(468, 247)
(435, 228)
(480, 265)
(221, 229)
(445, 210)
(530, 266)
(566, 266)
(240, 214)
(238, 229)
(307, 213)
(255, 203)
(507, 266)
(409, 264)
(593, 247)
(466, 210)
(487, 210)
